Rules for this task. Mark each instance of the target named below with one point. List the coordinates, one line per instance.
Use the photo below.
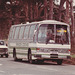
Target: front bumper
(51, 56)
(3, 53)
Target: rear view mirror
(35, 32)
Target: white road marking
(2, 72)
(22, 74)
(0, 64)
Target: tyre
(40, 61)
(14, 54)
(59, 62)
(30, 56)
(1, 55)
(6, 55)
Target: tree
(22, 11)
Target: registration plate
(54, 55)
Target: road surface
(10, 67)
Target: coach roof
(45, 22)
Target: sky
(64, 5)
(74, 2)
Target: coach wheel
(1, 55)
(40, 61)
(14, 55)
(30, 57)
(6, 55)
(59, 62)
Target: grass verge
(70, 61)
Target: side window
(21, 32)
(12, 33)
(32, 31)
(16, 32)
(35, 37)
(26, 32)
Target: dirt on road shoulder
(70, 61)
